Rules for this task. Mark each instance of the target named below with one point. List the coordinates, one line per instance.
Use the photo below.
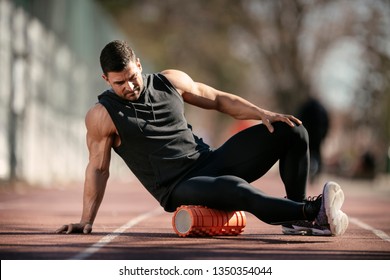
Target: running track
(131, 226)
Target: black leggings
(223, 182)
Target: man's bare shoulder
(179, 79)
(98, 119)
(96, 111)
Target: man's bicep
(199, 100)
(99, 153)
(99, 141)
(194, 93)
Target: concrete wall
(50, 76)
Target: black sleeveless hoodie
(157, 143)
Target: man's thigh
(248, 154)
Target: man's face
(128, 83)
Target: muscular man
(141, 117)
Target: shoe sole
(306, 231)
(290, 231)
(333, 200)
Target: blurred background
(326, 61)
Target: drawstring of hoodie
(136, 114)
(136, 117)
(151, 105)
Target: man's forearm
(237, 107)
(94, 188)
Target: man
(315, 118)
(141, 117)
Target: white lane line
(382, 235)
(109, 237)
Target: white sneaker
(330, 213)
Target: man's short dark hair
(115, 56)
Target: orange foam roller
(193, 220)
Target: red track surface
(28, 218)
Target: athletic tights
(223, 180)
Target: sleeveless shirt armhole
(169, 84)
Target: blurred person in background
(315, 118)
(141, 117)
